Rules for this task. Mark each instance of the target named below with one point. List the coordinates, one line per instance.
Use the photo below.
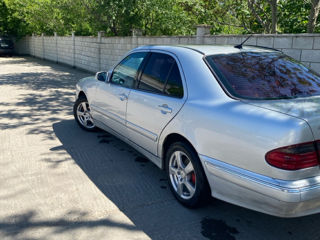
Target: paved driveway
(60, 182)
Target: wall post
(73, 50)
(100, 35)
(202, 30)
(33, 45)
(135, 34)
(56, 45)
(43, 50)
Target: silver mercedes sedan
(241, 124)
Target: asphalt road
(60, 182)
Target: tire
(188, 183)
(81, 112)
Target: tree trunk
(274, 13)
(314, 12)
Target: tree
(157, 17)
(293, 16)
(10, 23)
(162, 17)
(313, 16)
(261, 10)
(221, 15)
(274, 15)
(4, 15)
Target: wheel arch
(170, 139)
(206, 193)
(82, 94)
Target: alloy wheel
(182, 175)
(84, 116)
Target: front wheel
(187, 179)
(82, 115)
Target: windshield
(264, 75)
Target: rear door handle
(165, 108)
(123, 97)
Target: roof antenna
(240, 45)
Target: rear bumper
(261, 193)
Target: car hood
(307, 109)
(87, 79)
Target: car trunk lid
(307, 108)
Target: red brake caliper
(193, 178)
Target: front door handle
(123, 97)
(165, 108)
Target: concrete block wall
(50, 52)
(64, 50)
(38, 49)
(112, 49)
(101, 53)
(87, 53)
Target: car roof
(207, 49)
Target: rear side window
(161, 75)
(174, 84)
(264, 75)
(125, 73)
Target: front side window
(161, 75)
(264, 75)
(125, 73)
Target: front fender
(87, 86)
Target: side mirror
(101, 76)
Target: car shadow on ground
(140, 190)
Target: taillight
(294, 157)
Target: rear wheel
(187, 179)
(82, 115)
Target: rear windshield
(264, 75)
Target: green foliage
(162, 17)
(294, 16)
(219, 14)
(10, 22)
(153, 17)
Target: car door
(110, 102)
(158, 97)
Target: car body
(6, 46)
(236, 140)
